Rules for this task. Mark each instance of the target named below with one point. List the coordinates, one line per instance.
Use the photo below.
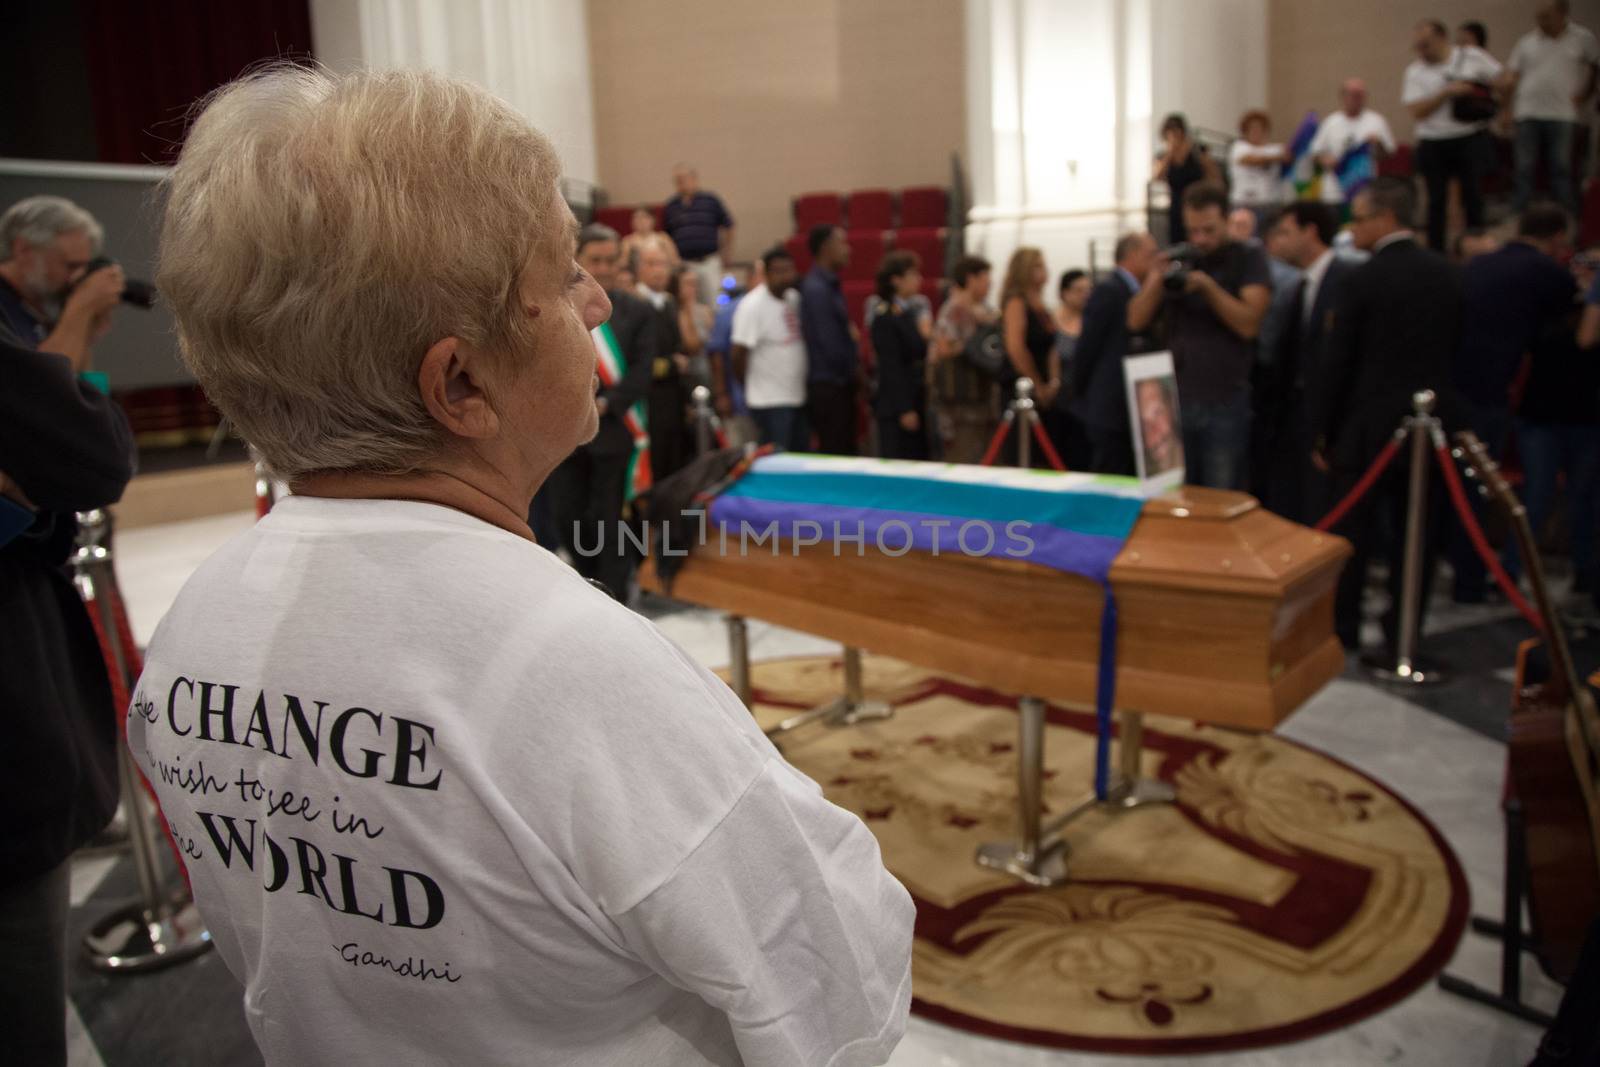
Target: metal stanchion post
(1034, 858)
(162, 928)
(1404, 668)
(700, 398)
(1024, 424)
(739, 657)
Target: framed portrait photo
(1156, 421)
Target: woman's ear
(453, 389)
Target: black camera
(1183, 256)
(140, 294)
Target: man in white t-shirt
(1551, 73)
(440, 800)
(1353, 125)
(769, 355)
(1449, 147)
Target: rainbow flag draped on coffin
(1070, 522)
(1075, 522)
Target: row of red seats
(620, 217)
(868, 247)
(919, 207)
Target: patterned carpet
(1283, 895)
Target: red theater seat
(856, 293)
(1589, 229)
(928, 244)
(866, 252)
(924, 206)
(815, 209)
(933, 289)
(800, 249)
(1397, 164)
(871, 209)
(619, 218)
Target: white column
(534, 54)
(1062, 105)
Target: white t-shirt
(444, 802)
(1338, 134)
(775, 376)
(1422, 80)
(1255, 185)
(1551, 70)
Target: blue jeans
(1216, 443)
(1552, 140)
(1548, 450)
(785, 427)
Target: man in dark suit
(588, 490)
(1514, 297)
(1131, 294)
(1396, 327)
(1288, 378)
(669, 430)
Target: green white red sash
(611, 366)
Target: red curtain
(150, 61)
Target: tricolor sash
(611, 366)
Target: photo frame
(1155, 420)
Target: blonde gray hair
(322, 232)
(39, 220)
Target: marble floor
(1439, 749)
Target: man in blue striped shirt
(699, 224)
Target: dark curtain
(150, 61)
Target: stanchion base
(1462, 988)
(1046, 868)
(1383, 668)
(1124, 795)
(840, 711)
(133, 939)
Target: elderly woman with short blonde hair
(442, 801)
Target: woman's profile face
(909, 283)
(547, 403)
(1038, 275)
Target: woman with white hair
(444, 802)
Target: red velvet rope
(722, 438)
(120, 697)
(1046, 447)
(1384, 458)
(995, 443)
(1458, 495)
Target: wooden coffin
(1225, 609)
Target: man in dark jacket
(1395, 330)
(1100, 396)
(64, 447)
(1285, 382)
(589, 489)
(1514, 297)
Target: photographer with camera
(55, 294)
(64, 447)
(1216, 292)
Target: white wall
(1063, 102)
(534, 54)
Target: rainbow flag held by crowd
(1356, 169)
(611, 366)
(1302, 167)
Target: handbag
(1476, 106)
(986, 350)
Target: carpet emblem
(1284, 894)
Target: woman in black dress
(1029, 331)
(901, 399)
(1181, 165)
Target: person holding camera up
(1216, 293)
(64, 447)
(50, 300)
